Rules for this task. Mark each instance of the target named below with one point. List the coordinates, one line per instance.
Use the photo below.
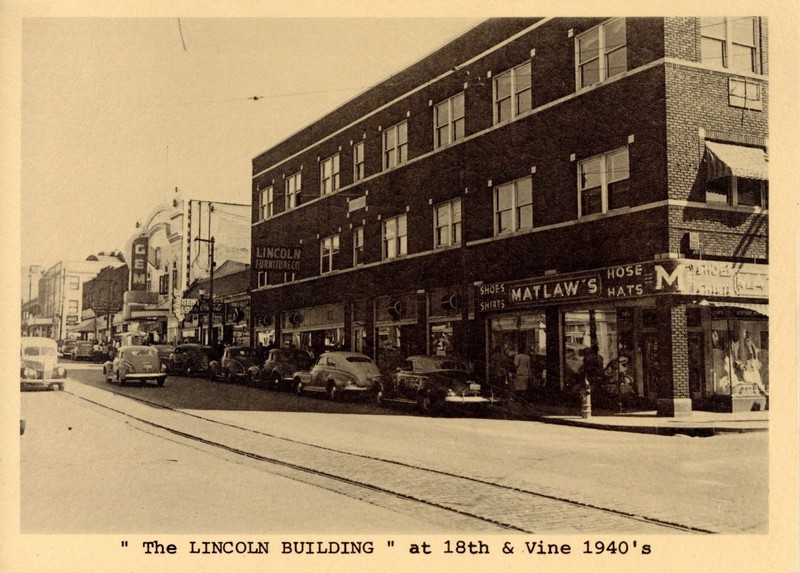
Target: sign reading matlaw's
(670, 276)
(139, 264)
(267, 258)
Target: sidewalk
(697, 423)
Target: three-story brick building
(545, 187)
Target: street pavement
(716, 484)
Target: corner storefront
(671, 334)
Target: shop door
(697, 364)
(652, 368)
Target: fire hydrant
(586, 399)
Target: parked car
(140, 363)
(84, 350)
(279, 367)
(436, 383)
(38, 365)
(235, 364)
(340, 373)
(191, 359)
(68, 348)
(165, 352)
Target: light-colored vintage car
(340, 373)
(135, 363)
(38, 364)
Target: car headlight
(30, 373)
(60, 372)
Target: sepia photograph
(372, 290)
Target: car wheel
(275, 382)
(160, 381)
(333, 391)
(298, 386)
(231, 378)
(424, 404)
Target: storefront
(671, 335)
(317, 329)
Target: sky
(118, 112)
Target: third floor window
(358, 161)
(512, 93)
(329, 175)
(267, 202)
(395, 145)
(448, 118)
(601, 53)
(294, 185)
(730, 43)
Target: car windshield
(358, 359)
(38, 351)
(142, 352)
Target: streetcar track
(371, 486)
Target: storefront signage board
(277, 258)
(673, 276)
(139, 264)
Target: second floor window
(74, 283)
(395, 145)
(448, 117)
(358, 161)
(447, 223)
(601, 53)
(72, 307)
(604, 182)
(512, 93)
(294, 185)
(358, 246)
(513, 206)
(394, 237)
(328, 249)
(163, 284)
(329, 175)
(267, 203)
(730, 43)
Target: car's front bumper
(39, 384)
(145, 376)
(469, 400)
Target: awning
(88, 325)
(724, 160)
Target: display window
(517, 355)
(739, 357)
(598, 349)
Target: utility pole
(210, 287)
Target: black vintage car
(278, 369)
(436, 384)
(191, 360)
(235, 364)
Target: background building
(169, 252)
(543, 187)
(61, 291)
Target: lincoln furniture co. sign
(672, 276)
(268, 258)
(139, 264)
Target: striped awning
(724, 160)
